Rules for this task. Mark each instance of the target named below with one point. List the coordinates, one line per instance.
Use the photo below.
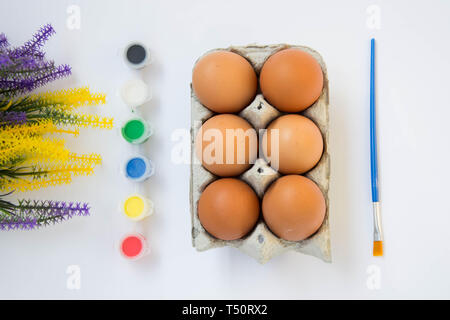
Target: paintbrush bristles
(378, 248)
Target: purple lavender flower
(4, 60)
(14, 87)
(56, 73)
(28, 214)
(24, 69)
(3, 41)
(12, 118)
(30, 63)
(18, 63)
(33, 46)
(19, 224)
(30, 79)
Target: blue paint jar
(138, 168)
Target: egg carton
(261, 243)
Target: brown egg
(224, 82)
(292, 144)
(226, 145)
(291, 80)
(293, 207)
(228, 209)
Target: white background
(413, 115)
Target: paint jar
(136, 130)
(136, 55)
(136, 207)
(138, 168)
(133, 246)
(135, 92)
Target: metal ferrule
(377, 230)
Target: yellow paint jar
(136, 207)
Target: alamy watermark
(73, 21)
(373, 281)
(234, 146)
(73, 281)
(373, 21)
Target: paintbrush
(377, 231)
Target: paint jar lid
(137, 55)
(138, 168)
(133, 246)
(136, 130)
(135, 93)
(136, 207)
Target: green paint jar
(136, 130)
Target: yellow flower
(32, 149)
(35, 184)
(70, 98)
(94, 121)
(32, 129)
(91, 158)
(47, 175)
(29, 159)
(83, 169)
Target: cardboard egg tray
(261, 243)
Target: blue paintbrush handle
(373, 130)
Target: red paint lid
(132, 246)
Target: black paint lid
(136, 54)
